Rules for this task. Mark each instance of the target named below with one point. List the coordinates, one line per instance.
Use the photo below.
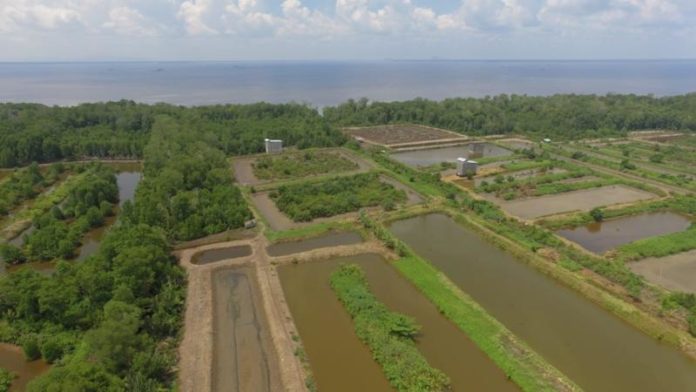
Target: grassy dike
(521, 364)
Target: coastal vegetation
(389, 335)
(186, 189)
(304, 202)
(118, 130)
(301, 164)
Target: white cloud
(125, 20)
(193, 13)
(392, 22)
(18, 14)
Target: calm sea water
(330, 83)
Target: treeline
(389, 335)
(187, 188)
(558, 116)
(32, 132)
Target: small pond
(215, 255)
(323, 241)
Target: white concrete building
(274, 146)
(466, 167)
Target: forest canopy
(558, 116)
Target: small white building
(274, 146)
(466, 167)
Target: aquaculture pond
(12, 359)
(590, 345)
(219, 254)
(242, 347)
(324, 241)
(340, 362)
(432, 156)
(600, 237)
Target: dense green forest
(32, 132)
(558, 116)
(187, 189)
(111, 322)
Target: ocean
(327, 83)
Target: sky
(104, 30)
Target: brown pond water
(600, 237)
(323, 241)
(590, 345)
(243, 351)
(434, 156)
(12, 359)
(215, 255)
(350, 366)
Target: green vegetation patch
(389, 335)
(304, 202)
(58, 232)
(25, 184)
(6, 378)
(659, 246)
(302, 164)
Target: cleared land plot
(243, 349)
(433, 156)
(675, 272)
(404, 135)
(264, 169)
(300, 164)
(583, 200)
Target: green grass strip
(526, 368)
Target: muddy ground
(389, 135)
(675, 272)
(243, 350)
(582, 200)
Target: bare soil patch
(675, 272)
(404, 135)
(267, 208)
(582, 200)
(244, 172)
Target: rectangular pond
(432, 156)
(441, 342)
(323, 241)
(600, 237)
(590, 345)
